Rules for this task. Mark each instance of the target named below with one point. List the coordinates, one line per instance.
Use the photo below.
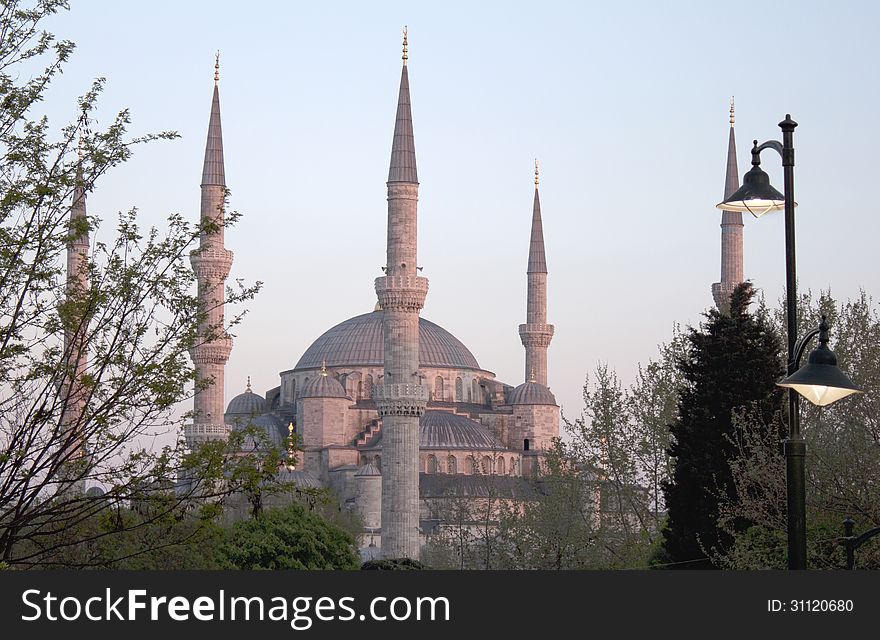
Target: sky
(624, 104)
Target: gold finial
(324, 367)
(248, 388)
(217, 67)
(404, 45)
(532, 377)
(536, 173)
(731, 111)
(290, 429)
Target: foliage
(393, 564)
(291, 537)
(843, 453)
(136, 320)
(732, 363)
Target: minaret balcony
(402, 293)
(211, 264)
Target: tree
(732, 364)
(843, 453)
(134, 314)
(288, 538)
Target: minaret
(73, 396)
(536, 334)
(401, 399)
(731, 232)
(211, 263)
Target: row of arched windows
(488, 466)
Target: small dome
(368, 470)
(532, 393)
(299, 479)
(324, 386)
(268, 422)
(94, 492)
(246, 404)
(446, 430)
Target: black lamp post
(757, 196)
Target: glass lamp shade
(756, 195)
(820, 380)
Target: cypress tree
(732, 362)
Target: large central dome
(360, 342)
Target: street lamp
(820, 381)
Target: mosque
(393, 412)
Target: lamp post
(757, 196)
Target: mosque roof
(531, 393)
(360, 341)
(246, 404)
(324, 386)
(447, 430)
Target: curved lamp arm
(801, 346)
(757, 149)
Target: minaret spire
(72, 394)
(536, 334)
(403, 147)
(211, 263)
(731, 230)
(401, 398)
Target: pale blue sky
(625, 105)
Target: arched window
(293, 390)
(475, 391)
(487, 465)
(431, 466)
(514, 467)
(451, 465)
(526, 444)
(360, 390)
(343, 380)
(501, 470)
(378, 462)
(438, 389)
(459, 389)
(368, 388)
(471, 465)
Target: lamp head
(820, 380)
(756, 195)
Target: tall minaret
(536, 334)
(211, 263)
(401, 398)
(731, 232)
(73, 396)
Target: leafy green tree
(732, 363)
(291, 537)
(843, 453)
(137, 320)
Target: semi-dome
(360, 341)
(368, 470)
(246, 404)
(531, 393)
(324, 386)
(299, 479)
(270, 424)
